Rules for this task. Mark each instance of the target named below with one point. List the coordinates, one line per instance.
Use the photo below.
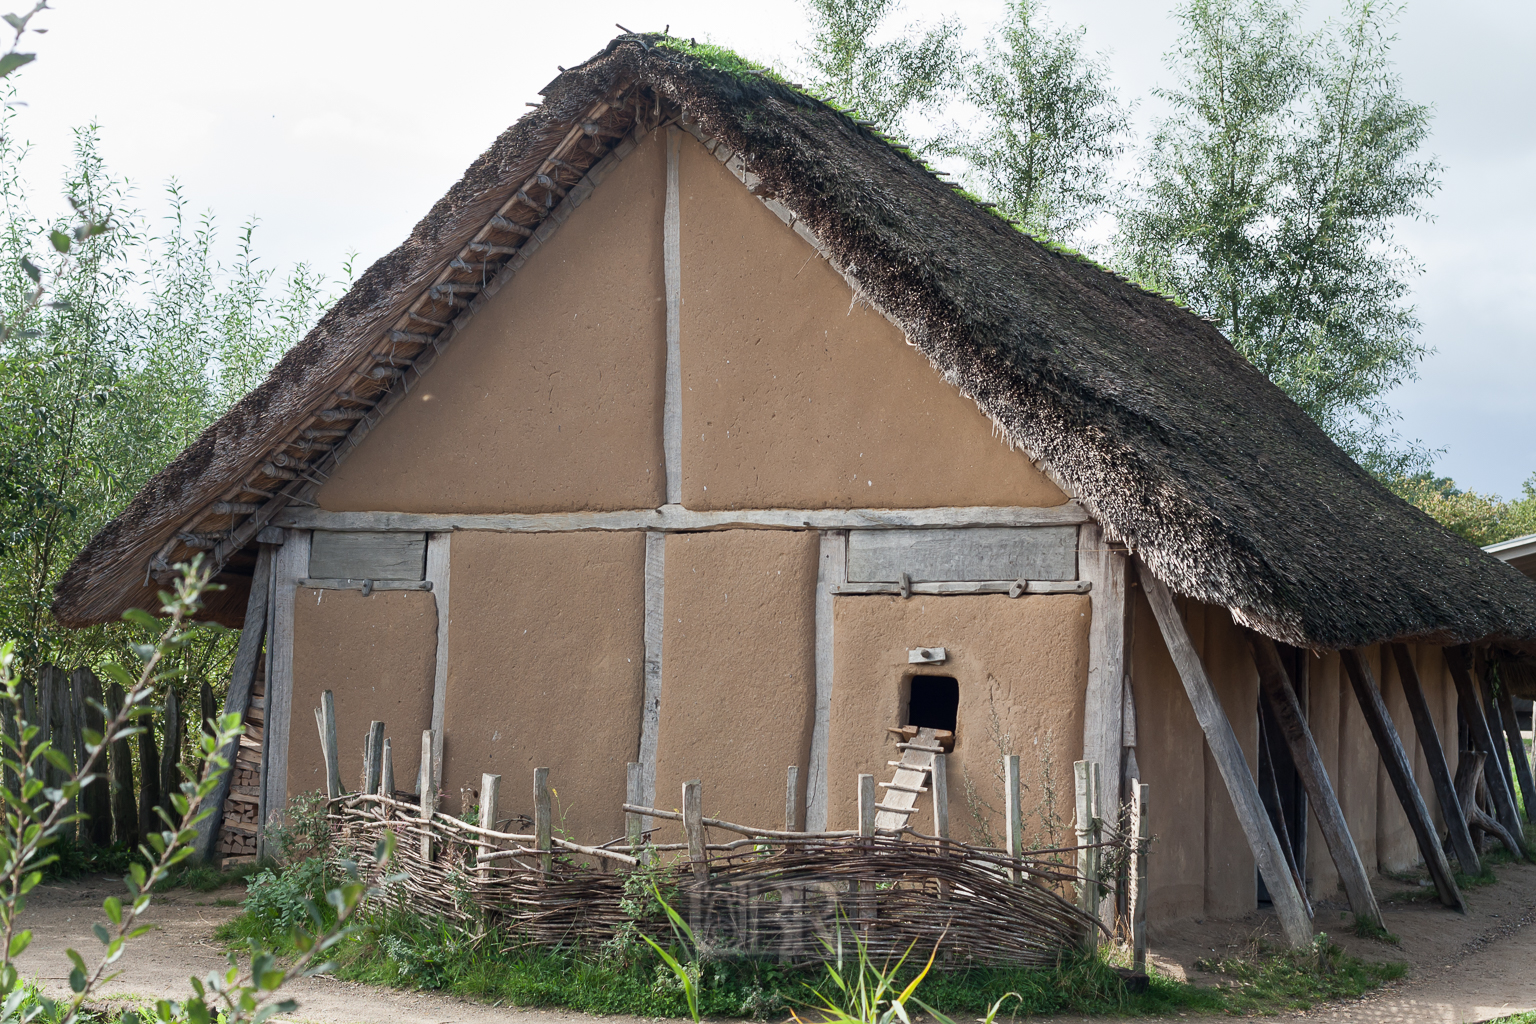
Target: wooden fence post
(1143, 834)
(1400, 771)
(490, 798)
(866, 806)
(940, 797)
(170, 756)
(634, 795)
(1085, 787)
(373, 758)
(542, 822)
(386, 772)
(428, 799)
(693, 825)
(149, 779)
(1434, 759)
(98, 795)
(125, 811)
(1013, 816)
(326, 721)
(792, 799)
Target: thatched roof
(1173, 441)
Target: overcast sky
(338, 124)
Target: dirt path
(1463, 969)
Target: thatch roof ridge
(1177, 444)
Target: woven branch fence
(769, 894)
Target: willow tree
(1270, 199)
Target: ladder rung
(908, 811)
(903, 789)
(919, 746)
(925, 768)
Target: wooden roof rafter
(296, 467)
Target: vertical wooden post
(98, 795)
(149, 779)
(1434, 758)
(1229, 758)
(125, 810)
(424, 790)
(543, 823)
(1395, 760)
(866, 806)
(1013, 816)
(1139, 892)
(386, 773)
(1280, 695)
(1087, 859)
(1477, 725)
(792, 799)
(490, 799)
(170, 756)
(1517, 749)
(373, 757)
(1109, 636)
(940, 797)
(634, 795)
(693, 825)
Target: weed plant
(1266, 979)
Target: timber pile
(237, 834)
(769, 894)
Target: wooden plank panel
(983, 553)
(373, 555)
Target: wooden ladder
(913, 772)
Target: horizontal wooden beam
(332, 584)
(970, 587)
(677, 518)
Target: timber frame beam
(1295, 923)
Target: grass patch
(1528, 1017)
(1265, 979)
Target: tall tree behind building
(1048, 127)
(1269, 204)
(886, 80)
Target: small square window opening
(935, 702)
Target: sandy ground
(1463, 969)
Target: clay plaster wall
(546, 652)
(1022, 668)
(795, 397)
(1231, 880)
(1396, 848)
(1323, 720)
(377, 655)
(738, 677)
(550, 399)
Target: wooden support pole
(97, 796)
(1400, 771)
(373, 757)
(1228, 755)
(1477, 724)
(1109, 635)
(125, 808)
(693, 825)
(1522, 764)
(1143, 838)
(634, 795)
(1434, 758)
(424, 790)
(1013, 816)
(543, 823)
(387, 773)
(242, 677)
(170, 759)
(792, 799)
(1086, 815)
(1500, 754)
(1275, 683)
(490, 800)
(1469, 782)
